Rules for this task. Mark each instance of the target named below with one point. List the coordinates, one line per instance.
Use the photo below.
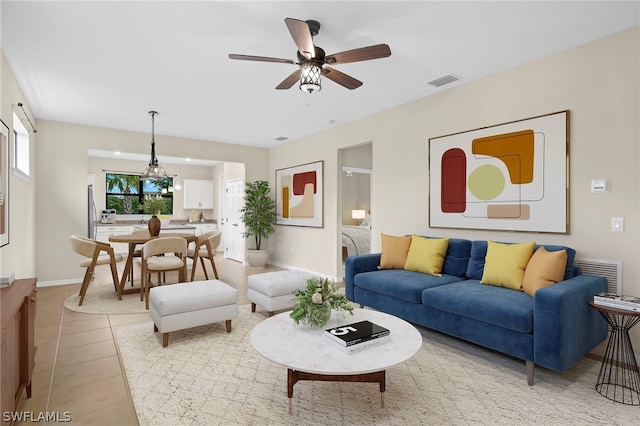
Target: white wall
(597, 82)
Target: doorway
(355, 200)
(234, 227)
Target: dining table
(133, 240)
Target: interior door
(234, 227)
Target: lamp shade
(310, 77)
(358, 214)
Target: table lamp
(358, 215)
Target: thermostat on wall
(599, 185)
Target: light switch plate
(617, 224)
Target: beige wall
(63, 165)
(18, 257)
(597, 82)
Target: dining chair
(204, 248)
(95, 253)
(161, 255)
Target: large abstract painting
(299, 195)
(510, 176)
(4, 184)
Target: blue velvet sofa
(553, 329)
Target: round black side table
(619, 377)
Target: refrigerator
(92, 214)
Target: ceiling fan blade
(341, 78)
(289, 81)
(362, 54)
(301, 36)
(260, 58)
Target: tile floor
(78, 369)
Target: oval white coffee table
(309, 355)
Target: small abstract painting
(510, 177)
(300, 195)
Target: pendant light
(154, 171)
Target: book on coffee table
(356, 333)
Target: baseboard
(54, 283)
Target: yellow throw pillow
(504, 264)
(544, 268)
(394, 251)
(426, 255)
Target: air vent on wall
(439, 82)
(610, 269)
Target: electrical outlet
(617, 224)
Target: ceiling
(107, 64)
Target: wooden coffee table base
(293, 376)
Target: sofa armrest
(565, 327)
(357, 264)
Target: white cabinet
(104, 232)
(198, 194)
(201, 228)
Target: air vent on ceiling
(610, 269)
(439, 82)
(281, 138)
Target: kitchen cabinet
(201, 228)
(104, 232)
(198, 194)
(18, 344)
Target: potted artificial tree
(259, 216)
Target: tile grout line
(55, 361)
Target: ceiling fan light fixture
(155, 170)
(310, 77)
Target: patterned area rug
(102, 299)
(207, 376)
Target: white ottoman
(275, 290)
(185, 305)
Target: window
(126, 193)
(21, 158)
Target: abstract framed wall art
(4, 184)
(509, 177)
(300, 195)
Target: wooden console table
(18, 348)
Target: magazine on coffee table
(617, 301)
(356, 333)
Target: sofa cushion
(505, 264)
(394, 251)
(478, 252)
(498, 306)
(401, 284)
(544, 268)
(426, 255)
(457, 258)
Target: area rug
(209, 377)
(102, 299)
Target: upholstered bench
(185, 305)
(275, 290)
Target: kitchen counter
(169, 227)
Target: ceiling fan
(312, 59)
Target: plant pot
(154, 226)
(257, 258)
